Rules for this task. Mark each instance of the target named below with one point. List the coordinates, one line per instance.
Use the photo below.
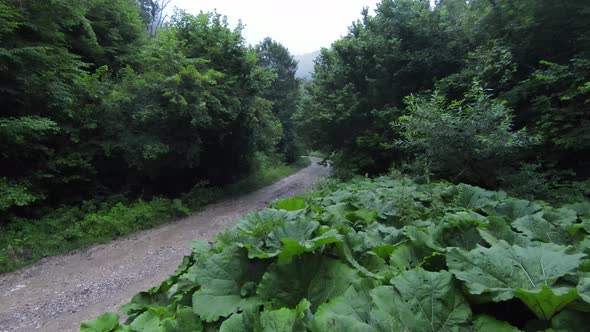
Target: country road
(59, 293)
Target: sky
(302, 26)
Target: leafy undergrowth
(26, 241)
(381, 255)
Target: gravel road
(59, 293)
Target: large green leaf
(290, 204)
(148, 321)
(560, 217)
(498, 229)
(503, 272)
(361, 216)
(404, 257)
(420, 301)
(474, 198)
(352, 247)
(349, 312)
(297, 237)
(254, 229)
(166, 292)
(200, 247)
(517, 208)
(186, 320)
(582, 210)
(293, 247)
(376, 239)
(584, 246)
(108, 322)
(574, 221)
(258, 225)
(285, 319)
(484, 323)
(376, 234)
(427, 238)
(535, 227)
(498, 271)
(546, 301)
(584, 287)
(461, 229)
(227, 282)
(247, 320)
(311, 277)
(293, 238)
(335, 215)
(160, 319)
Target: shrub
(471, 140)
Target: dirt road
(59, 293)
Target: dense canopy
(468, 91)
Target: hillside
(305, 63)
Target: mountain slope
(305, 64)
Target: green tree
(470, 140)
(532, 54)
(37, 71)
(192, 111)
(116, 34)
(283, 92)
(94, 107)
(361, 81)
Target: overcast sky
(302, 26)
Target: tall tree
(92, 107)
(153, 14)
(283, 92)
(360, 83)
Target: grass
(268, 174)
(317, 154)
(25, 241)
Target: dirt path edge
(58, 293)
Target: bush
(25, 240)
(470, 140)
(529, 182)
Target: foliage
(283, 92)
(359, 84)
(528, 182)
(470, 141)
(382, 255)
(94, 107)
(65, 229)
(532, 54)
(15, 194)
(25, 241)
(560, 97)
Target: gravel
(59, 293)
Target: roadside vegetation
(114, 121)
(490, 93)
(381, 255)
(25, 241)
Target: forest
(102, 119)
(458, 133)
(490, 93)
